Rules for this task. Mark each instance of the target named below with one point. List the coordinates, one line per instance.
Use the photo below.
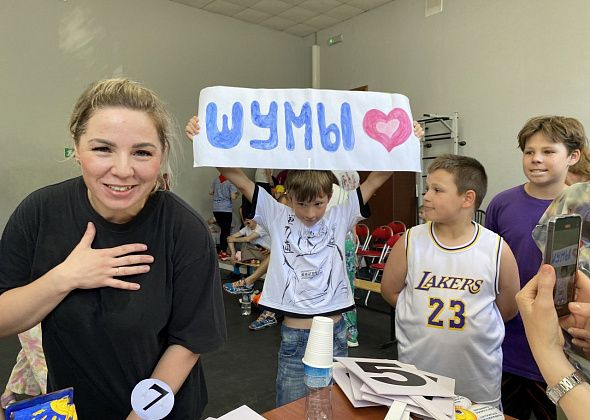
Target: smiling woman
(120, 156)
(121, 273)
(126, 95)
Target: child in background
(580, 171)
(282, 177)
(550, 145)
(278, 191)
(421, 217)
(255, 246)
(29, 375)
(254, 242)
(283, 199)
(450, 312)
(214, 229)
(223, 193)
(263, 178)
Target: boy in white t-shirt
(307, 271)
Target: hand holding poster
(305, 129)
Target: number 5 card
(391, 377)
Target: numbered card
(396, 411)
(435, 407)
(305, 129)
(390, 382)
(387, 400)
(344, 380)
(356, 384)
(152, 399)
(391, 377)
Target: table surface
(341, 409)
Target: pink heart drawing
(390, 130)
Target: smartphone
(561, 251)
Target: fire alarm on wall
(433, 7)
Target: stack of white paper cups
(319, 358)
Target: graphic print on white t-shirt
(304, 267)
(307, 271)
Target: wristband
(569, 382)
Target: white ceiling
(297, 17)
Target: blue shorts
(290, 386)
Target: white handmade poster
(305, 129)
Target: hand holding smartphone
(561, 251)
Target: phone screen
(563, 241)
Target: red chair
(364, 236)
(397, 226)
(379, 266)
(379, 237)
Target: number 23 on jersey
(436, 319)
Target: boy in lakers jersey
(453, 284)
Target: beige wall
(496, 63)
(50, 50)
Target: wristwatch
(556, 392)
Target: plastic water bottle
(246, 304)
(318, 401)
